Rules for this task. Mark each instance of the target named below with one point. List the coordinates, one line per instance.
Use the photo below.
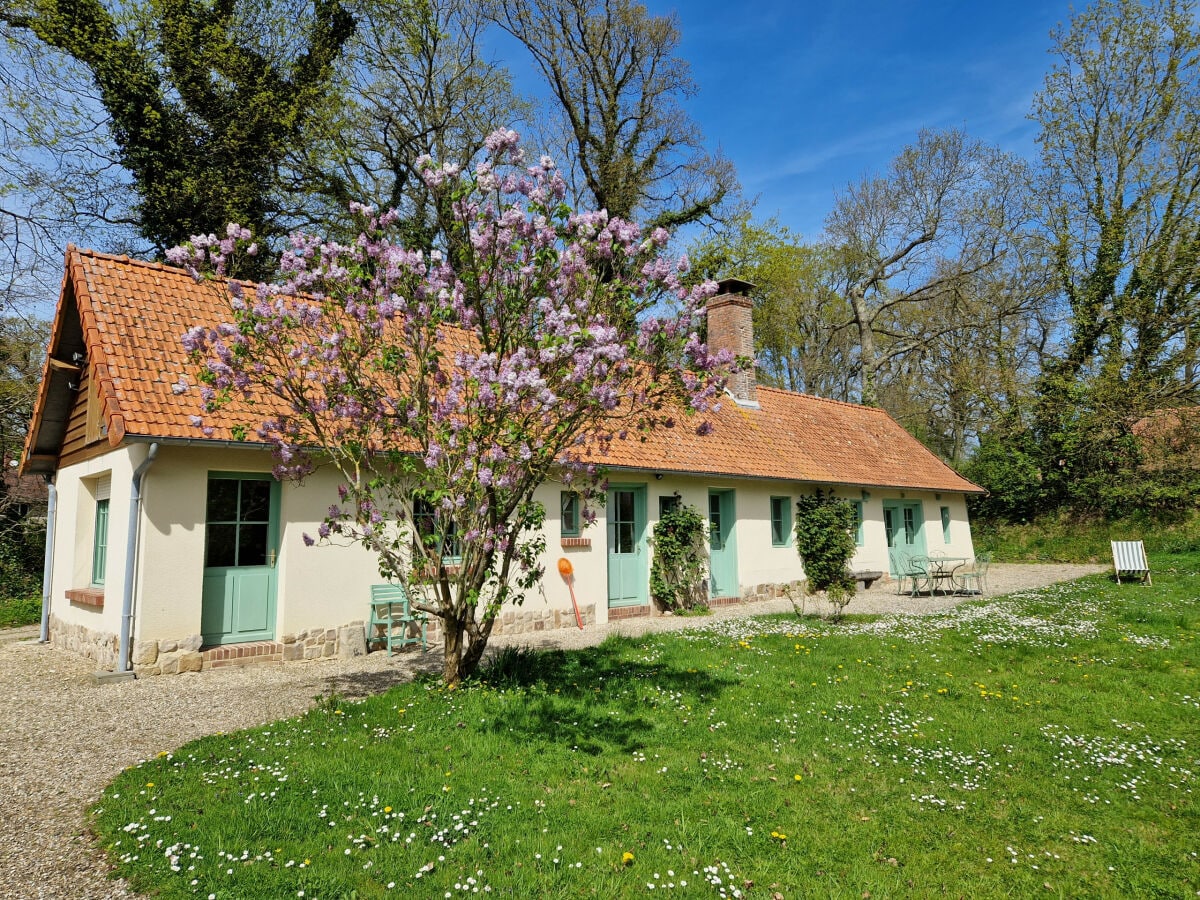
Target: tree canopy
(446, 388)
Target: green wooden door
(628, 577)
(722, 546)
(241, 538)
(904, 523)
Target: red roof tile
(134, 315)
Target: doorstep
(250, 653)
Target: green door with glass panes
(241, 538)
(903, 521)
(722, 547)
(628, 574)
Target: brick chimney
(731, 327)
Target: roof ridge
(127, 260)
(848, 403)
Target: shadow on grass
(596, 698)
(357, 685)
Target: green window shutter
(859, 539)
(100, 543)
(946, 524)
(569, 504)
(781, 521)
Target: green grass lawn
(1044, 744)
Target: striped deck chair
(1129, 557)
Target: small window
(781, 520)
(569, 504)
(946, 524)
(427, 523)
(859, 539)
(668, 504)
(100, 543)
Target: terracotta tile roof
(133, 315)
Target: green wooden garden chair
(392, 611)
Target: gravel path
(62, 738)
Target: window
(859, 540)
(238, 522)
(570, 513)
(781, 520)
(946, 524)
(100, 543)
(427, 524)
(667, 504)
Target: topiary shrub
(824, 532)
(679, 573)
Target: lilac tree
(446, 386)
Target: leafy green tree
(679, 572)
(797, 309)
(824, 531)
(22, 346)
(1120, 196)
(202, 101)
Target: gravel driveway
(62, 738)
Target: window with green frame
(427, 521)
(781, 521)
(859, 539)
(100, 543)
(946, 524)
(569, 505)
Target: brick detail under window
(569, 542)
(93, 597)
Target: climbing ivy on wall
(679, 573)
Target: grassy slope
(20, 611)
(1045, 744)
(1052, 540)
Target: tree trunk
(866, 347)
(452, 668)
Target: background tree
(1120, 193)
(797, 308)
(413, 82)
(447, 389)
(614, 71)
(949, 209)
(22, 347)
(202, 99)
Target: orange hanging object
(566, 570)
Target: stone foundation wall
(759, 592)
(86, 642)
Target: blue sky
(806, 97)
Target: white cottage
(172, 552)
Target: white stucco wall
(316, 587)
(327, 586)
(75, 531)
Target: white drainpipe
(131, 539)
(48, 567)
